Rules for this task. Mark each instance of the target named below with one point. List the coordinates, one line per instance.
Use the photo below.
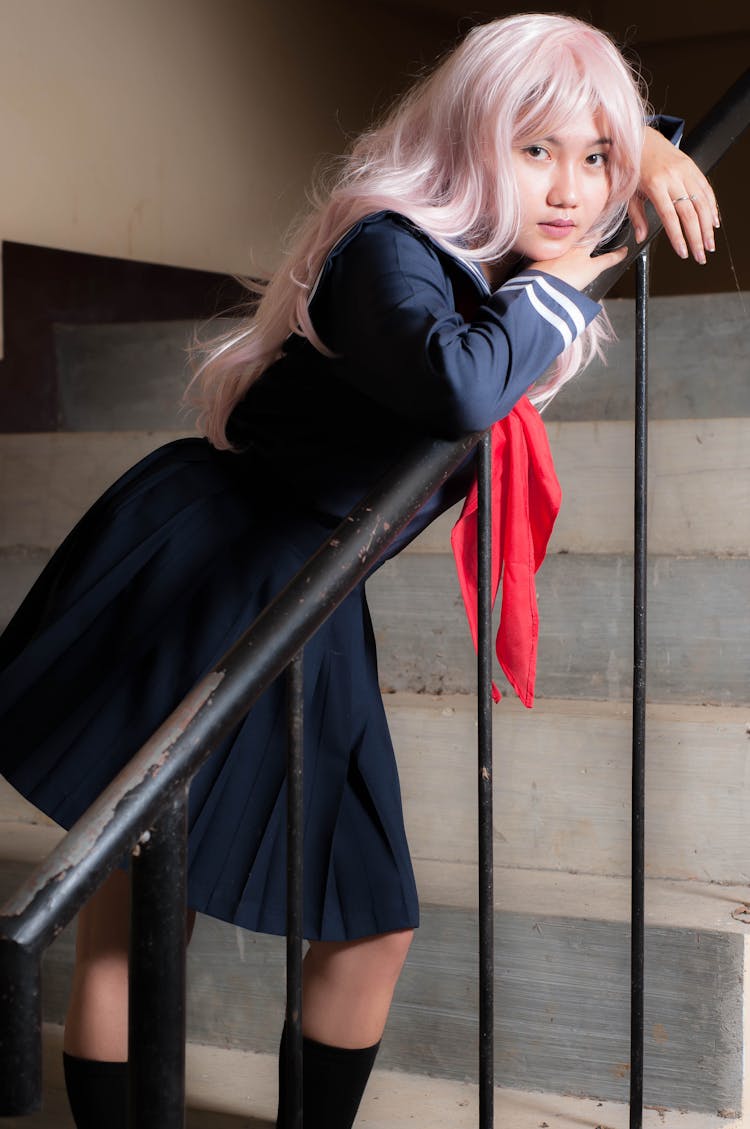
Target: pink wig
(442, 158)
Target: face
(563, 182)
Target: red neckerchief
(525, 502)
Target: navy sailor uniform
(182, 553)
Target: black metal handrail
(131, 805)
(145, 804)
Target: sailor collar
(467, 265)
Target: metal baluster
(156, 1042)
(484, 694)
(639, 694)
(20, 1027)
(294, 907)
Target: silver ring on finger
(681, 198)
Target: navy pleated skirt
(146, 594)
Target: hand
(576, 266)
(682, 196)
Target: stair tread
(552, 893)
(230, 1089)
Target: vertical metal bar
(20, 1029)
(639, 695)
(484, 705)
(294, 904)
(156, 1039)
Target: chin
(545, 253)
(541, 250)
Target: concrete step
(698, 623)
(133, 375)
(698, 488)
(698, 362)
(562, 982)
(699, 485)
(122, 374)
(229, 1089)
(698, 627)
(19, 568)
(49, 479)
(562, 786)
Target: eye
(536, 152)
(597, 160)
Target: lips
(556, 229)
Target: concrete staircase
(230, 1089)
(561, 774)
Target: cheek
(532, 191)
(597, 202)
(604, 194)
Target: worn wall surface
(183, 131)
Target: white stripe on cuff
(559, 324)
(571, 309)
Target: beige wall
(183, 131)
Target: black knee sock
(97, 1092)
(333, 1082)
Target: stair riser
(697, 362)
(561, 1004)
(133, 375)
(699, 483)
(48, 480)
(562, 788)
(562, 776)
(699, 630)
(698, 488)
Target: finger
(667, 211)
(705, 214)
(610, 259)
(691, 227)
(637, 213)
(695, 184)
(710, 199)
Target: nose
(563, 189)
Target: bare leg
(97, 1022)
(347, 991)
(348, 987)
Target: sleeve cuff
(561, 305)
(669, 127)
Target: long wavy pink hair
(441, 157)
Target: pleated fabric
(146, 594)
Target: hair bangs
(558, 97)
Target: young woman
(433, 287)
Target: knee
(376, 958)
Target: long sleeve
(387, 307)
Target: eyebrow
(597, 141)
